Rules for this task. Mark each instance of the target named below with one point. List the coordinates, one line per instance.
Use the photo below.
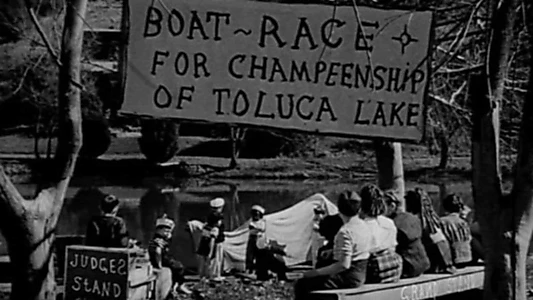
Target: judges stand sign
(96, 273)
(316, 68)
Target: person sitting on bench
(409, 238)
(158, 250)
(328, 228)
(384, 264)
(350, 252)
(107, 229)
(457, 230)
(437, 246)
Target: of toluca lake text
(285, 66)
(287, 106)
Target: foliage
(238, 290)
(159, 140)
(261, 143)
(96, 136)
(28, 87)
(14, 18)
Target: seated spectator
(328, 228)
(437, 246)
(457, 230)
(159, 253)
(384, 264)
(350, 252)
(409, 238)
(107, 229)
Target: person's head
(349, 204)
(413, 201)
(419, 203)
(164, 227)
(392, 203)
(453, 203)
(257, 212)
(329, 226)
(217, 205)
(372, 204)
(109, 204)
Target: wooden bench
(427, 286)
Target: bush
(96, 136)
(159, 140)
(261, 143)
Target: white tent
(292, 227)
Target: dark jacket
(218, 216)
(410, 247)
(107, 231)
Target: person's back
(410, 247)
(437, 246)
(457, 230)
(108, 229)
(384, 264)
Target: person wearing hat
(158, 251)
(107, 229)
(257, 228)
(409, 238)
(215, 224)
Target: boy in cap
(158, 250)
(107, 229)
(217, 207)
(257, 229)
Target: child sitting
(257, 229)
(158, 250)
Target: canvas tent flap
(292, 227)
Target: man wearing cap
(409, 238)
(107, 229)
(257, 228)
(216, 213)
(158, 250)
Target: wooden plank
(427, 286)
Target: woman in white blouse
(384, 264)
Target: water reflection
(141, 206)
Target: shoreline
(25, 168)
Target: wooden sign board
(96, 273)
(427, 286)
(314, 68)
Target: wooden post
(390, 168)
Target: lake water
(143, 204)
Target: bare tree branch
(10, 197)
(41, 32)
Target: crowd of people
(372, 240)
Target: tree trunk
(444, 148)
(494, 217)
(521, 216)
(29, 225)
(390, 167)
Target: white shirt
(352, 240)
(382, 233)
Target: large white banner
(318, 68)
